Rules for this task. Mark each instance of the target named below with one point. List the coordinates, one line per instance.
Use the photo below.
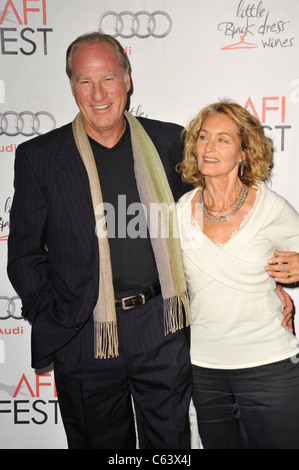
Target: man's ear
(128, 81)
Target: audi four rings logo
(9, 308)
(141, 24)
(26, 123)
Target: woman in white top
(246, 372)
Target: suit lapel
(72, 181)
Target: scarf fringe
(176, 313)
(106, 339)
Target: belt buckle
(123, 301)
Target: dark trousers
(95, 395)
(254, 408)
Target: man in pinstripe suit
(53, 263)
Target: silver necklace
(225, 209)
(223, 218)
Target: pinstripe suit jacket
(52, 248)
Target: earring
(241, 168)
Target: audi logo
(9, 309)
(26, 123)
(141, 24)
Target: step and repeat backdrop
(184, 55)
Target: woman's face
(218, 146)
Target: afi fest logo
(271, 107)
(26, 40)
(33, 400)
(253, 25)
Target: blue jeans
(254, 408)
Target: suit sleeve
(27, 253)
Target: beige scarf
(153, 188)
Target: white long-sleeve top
(236, 312)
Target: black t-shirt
(132, 257)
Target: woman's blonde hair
(258, 148)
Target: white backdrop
(184, 54)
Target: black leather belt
(129, 302)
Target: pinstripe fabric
(52, 208)
(53, 262)
(159, 379)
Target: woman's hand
(284, 267)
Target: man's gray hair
(93, 38)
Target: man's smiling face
(100, 86)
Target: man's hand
(287, 308)
(284, 267)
